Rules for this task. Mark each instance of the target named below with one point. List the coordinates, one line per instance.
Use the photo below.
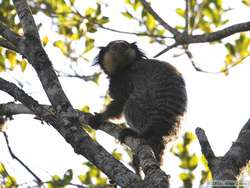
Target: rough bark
(227, 167)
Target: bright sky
(217, 103)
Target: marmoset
(151, 94)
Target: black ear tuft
(99, 58)
(133, 43)
(139, 53)
(101, 47)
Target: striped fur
(150, 93)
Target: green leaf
(180, 12)
(72, 1)
(10, 182)
(150, 22)
(205, 26)
(208, 12)
(184, 164)
(62, 8)
(188, 138)
(90, 12)
(85, 109)
(204, 176)
(179, 27)
(101, 181)
(193, 162)
(67, 177)
(230, 48)
(2, 170)
(89, 44)
(83, 179)
(127, 15)
(128, 2)
(23, 64)
(11, 56)
(218, 4)
(116, 155)
(45, 40)
(186, 176)
(246, 2)
(56, 178)
(60, 44)
(2, 63)
(103, 20)
(96, 78)
(224, 70)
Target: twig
(187, 18)
(39, 181)
(83, 77)
(166, 49)
(134, 33)
(146, 5)
(116, 30)
(190, 56)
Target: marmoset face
(118, 55)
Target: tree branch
(26, 19)
(70, 128)
(218, 35)
(32, 48)
(183, 38)
(6, 44)
(228, 166)
(144, 152)
(63, 118)
(14, 109)
(205, 145)
(8, 34)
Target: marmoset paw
(95, 120)
(128, 132)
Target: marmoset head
(117, 56)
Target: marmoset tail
(150, 94)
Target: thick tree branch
(8, 34)
(183, 38)
(144, 152)
(6, 44)
(146, 5)
(26, 19)
(186, 38)
(63, 118)
(14, 109)
(228, 166)
(71, 130)
(31, 47)
(218, 35)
